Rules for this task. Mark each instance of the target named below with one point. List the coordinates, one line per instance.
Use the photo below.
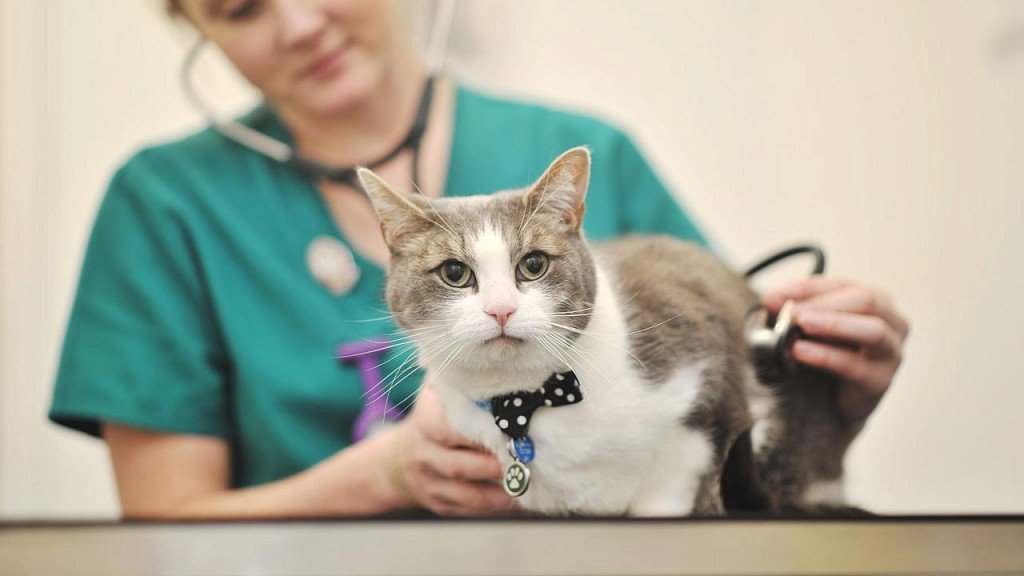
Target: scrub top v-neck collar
(277, 129)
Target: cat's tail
(744, 493)
(740, 485)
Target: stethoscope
(287, 155)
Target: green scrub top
(196, 312)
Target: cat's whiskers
(578, 312)
(399, 406)
(627, 300)
(581, 376)
(550, 342)
(394, 350)
(406, 368)
(395, 338)
(459, 347)
(652, 326)
(547, 341)
(404, 346)
(410, 397)
(368, 352)
(409, 370)
(376, 319)
(410, 363)
(410, 335)
(583, 355)
(385, 387)
(375, 309)
(570, 315)
(450, 360)
(423, 214)
(594, 334)
(387, 342)
(392, 344)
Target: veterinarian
(219, 280)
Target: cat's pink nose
(501, 314)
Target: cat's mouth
(504, 340)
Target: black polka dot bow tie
(512, 412)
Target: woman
(201, 348)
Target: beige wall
(888, 131)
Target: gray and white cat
(500, 291)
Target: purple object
(367, 356)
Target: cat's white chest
(622, 450)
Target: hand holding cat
(857, 334)
(443, 471)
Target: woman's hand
(442, 471)
(857, 334)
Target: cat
(503, 294)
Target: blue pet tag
(522, 449)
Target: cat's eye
(456, 274)
(533, 266)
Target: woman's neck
(366, 130)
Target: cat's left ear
(401, 215)
(563, 187)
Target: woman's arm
(185, 476)
(419, 462)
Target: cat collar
(512, 414)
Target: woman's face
(317, 56)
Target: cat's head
(498, 283)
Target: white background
(891, 132)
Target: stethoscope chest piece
(332, 265)
(771, 340)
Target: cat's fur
(652, 327)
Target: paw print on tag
(517, 479)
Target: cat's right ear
(563, 187)
(400, 214)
